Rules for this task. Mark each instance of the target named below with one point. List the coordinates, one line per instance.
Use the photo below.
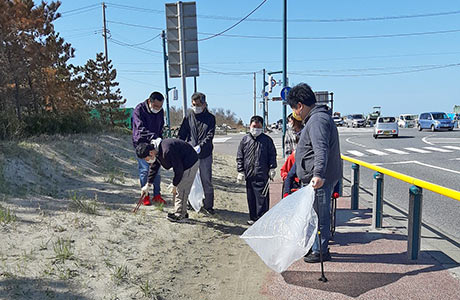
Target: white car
(407, 121)
(386, 126)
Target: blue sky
(362, 72)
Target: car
(356, 120)
(435, 121)
(407, 121)
(337, 120)
(386, 126)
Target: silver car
(386, 126)
(356, 120)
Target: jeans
(322, 206)
(144, 173)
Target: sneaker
(250, 222)
(146, 201)
(315, 257)
(175, 218)
(158, 199)
(210, 211)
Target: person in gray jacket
(317, 159)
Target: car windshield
(440, 116)
(387, 120)
(409, 118)
(357, 117)
(336, 118)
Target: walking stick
(323, 278)
(138, 204)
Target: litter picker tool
(139, 203)
(323, 278)
(265, 190)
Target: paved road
(434, 157)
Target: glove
(172, 189)
(285, 195)
(197, 149)
(145, 189)
(240, 177)
(272, 174)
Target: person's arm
(162, 123)
(184, 130)
(153, 170)
(271, 154)
(289, 181)
(319, 135)
(240, 157)
(143, 134)
(210, 134)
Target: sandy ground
(71, 233)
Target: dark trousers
(258, 204)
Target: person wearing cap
(256, 162)
(317, 160)
(292, 134)
(198, 128)
(147, 123)
(182, 158)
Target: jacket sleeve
(289, 180)
(211, 130)
(153, 170)
(240, 157)
(178, 168)
(184, 130)
(162, 123)
(271, 154)
(319, 135)
(142, 134)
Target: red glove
(285, 195)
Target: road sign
(266, 94)
(284, 92)
(273, 82)
(277, 98)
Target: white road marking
(396, 151)
(356, 153)
(458, 158)
(438, 149)
(425, 140)
(221, 140)
(377, 152)
(417, 150)
(418, 163)
(452, 147)
(354, 143)
(445, 140)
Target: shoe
(250, 222)
(146, 201)
(158, 199)
(315, 257)
(175, 218)
(206, 211)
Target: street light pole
(284, 69)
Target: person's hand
(145, 189)
(272, 174)
(197, 149)
(172, 189)
(317, 182)
(240, 177)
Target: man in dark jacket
(198, 129)
(317, 159)
(256, 161)
(147, 123)
(182, 158)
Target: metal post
(182, 56)
(165, 61)
(107, 83)
(354, 186)
(415, 222)
(194, 83)
(263, 99)
(284, 70)
(255, 95)
(332, 103)
(377, 206)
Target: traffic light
(270, 77)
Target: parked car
(386, 126)
(356, 120)
(435, 121)
(337, 120)
(407, 121)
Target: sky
(401, 55)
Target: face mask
(297, 117)
(155, 111)
(256, 131)
(151, 161)
(197, 109)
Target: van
(407, 121)
(434, 121)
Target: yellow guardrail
(409, 179)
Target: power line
(229, 73)
(120, 43)
(135, 25)
(80, 10)
(234, 25)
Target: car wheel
(419, 127)
(450, 129)
(395, 135)
(375, 136)
(432, 128)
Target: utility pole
(285, 83)
(107, 87)
(194, 83)
(255, 96)
(263, 98)
(165, 60)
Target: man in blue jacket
(147, 123)
(317, 159)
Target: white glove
(197, 149)
(272, 174)
(172, 189)
(240, 177)
(145, 189)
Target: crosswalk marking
(396, 151)
(355, 152)
(417, 150)
(437, 149)
(377, 152)
(452, 147)
(221, 140)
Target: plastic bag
(196, 193)
(286, 232)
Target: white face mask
(256, 131)
(155, 111)
(197, 109)
(151, 161)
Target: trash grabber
(138, 204)
(265, 190)
(323, 278)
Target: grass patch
(6, 215)
(115, 175)
(146, 289)
(63, 249)
(81, 204)
(120, 274)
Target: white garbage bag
(196, 193)
(286, 232)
